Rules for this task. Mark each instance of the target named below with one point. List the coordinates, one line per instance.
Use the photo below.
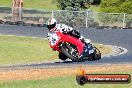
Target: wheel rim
(71, 49)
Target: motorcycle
(72, 48)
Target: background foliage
(116, 6)
(72, 5)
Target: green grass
(94, 8)
(41, 4)
(37, 4)
(16, 50)
(60, 82)
(23, 50)
(6, 3)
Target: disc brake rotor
(72, 50)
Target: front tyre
(62, 56)
(71, 52)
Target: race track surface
(116, 37)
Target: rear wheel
(96, 55)
(70, 51)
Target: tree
(95, 2)
(72, 5)
(116, 6)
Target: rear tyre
(96, 55)
(92, 57)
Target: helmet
(51, 23)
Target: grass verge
(22, 50)
(37, 4)
(16, 50)
(61, 82)
(42, 4)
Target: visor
(51, 26)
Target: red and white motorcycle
(72, 47)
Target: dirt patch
(46, 73)
(104, 49)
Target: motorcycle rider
(53, 27)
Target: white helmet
(51, 23)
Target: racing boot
(86, 41)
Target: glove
(64, 31)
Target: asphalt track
(116, 37)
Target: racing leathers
(69, 30)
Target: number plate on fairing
(89, 49)
(53, 38)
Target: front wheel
(70, 51)
(62, 56)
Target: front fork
(72, 50)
